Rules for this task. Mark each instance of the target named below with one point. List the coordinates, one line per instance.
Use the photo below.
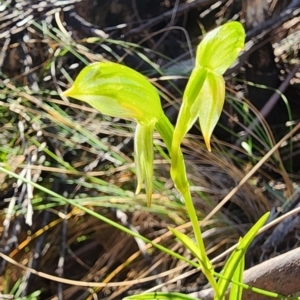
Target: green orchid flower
(119, 91)
(205, 92)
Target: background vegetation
(72, 152)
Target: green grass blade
(236, 291)
(235, 257)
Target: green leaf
(200, 254)
(220, 47)
(188, 244)
(161, 296)
(117, 91)
(236, 290)
(239, 253)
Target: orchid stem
(166, 130)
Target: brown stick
(280, 274)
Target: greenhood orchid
(204, 95)
(119, 91)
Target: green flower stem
(166, 129)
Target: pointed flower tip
(138, 188)
(207, 143)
